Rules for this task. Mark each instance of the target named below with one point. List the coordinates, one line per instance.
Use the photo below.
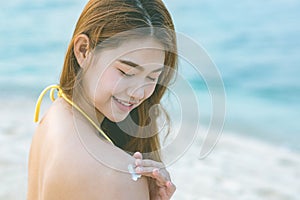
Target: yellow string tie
(60, 93)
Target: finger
(146, 171)
(171, 188)
(163, 193)
(138, 155)
(166, 192)
(149, 163)
(158, 175)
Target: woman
(119, 62)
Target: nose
(136, 93)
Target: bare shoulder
(64, 165)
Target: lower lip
(122, 107)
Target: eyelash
(152, 79)
(130, 75)
(127, 75)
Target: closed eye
(125, 74)
(152, 79)
(154, 76)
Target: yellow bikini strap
(39, 101)
(60, 93)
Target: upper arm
(61, 167)
(76, 175)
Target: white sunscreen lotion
(134, 176)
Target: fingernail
(169, 184)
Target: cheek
(149, 90)
(110, 82)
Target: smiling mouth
(124, 105)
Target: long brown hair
(101, 20)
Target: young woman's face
(120, 79)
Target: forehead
(141, 51)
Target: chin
(117, 118)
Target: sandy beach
(237, 168)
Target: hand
(156, 170)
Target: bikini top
(60, 93)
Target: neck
(85, 103)
(100, 116)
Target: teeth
(125, 104)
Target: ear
(81, 48)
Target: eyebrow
(134, 65)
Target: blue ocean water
(254, 44)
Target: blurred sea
(254, 44)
